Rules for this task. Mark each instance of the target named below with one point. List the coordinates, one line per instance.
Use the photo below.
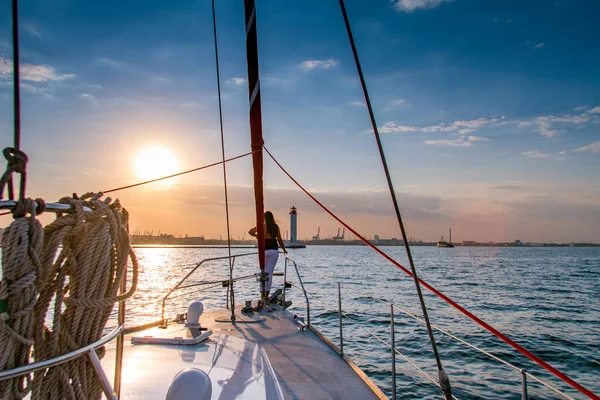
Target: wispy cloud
(539, 45)
(110, 62)
(31, 72)
(318, 64)
(358, 103)
(392, 127)
(90, 86)
(463, 141)
(595, 147)
(31, 29)
(546, 125)
(459, 127)
(536, 154)
(32, 88)
(412, 5)
(507, 187)
(237, 80)
(397, 103)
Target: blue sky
(489, 111)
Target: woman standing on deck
(272, 237)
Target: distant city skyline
(489, 113)
(348, 238)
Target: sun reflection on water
(162, 268)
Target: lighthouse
(293, 224)
(293, 243)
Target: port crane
(338, 237)
(317, 237)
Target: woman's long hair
(271, 225)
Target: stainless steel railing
(300, 288)
(230, 280)
(89, 350)
(524, 374)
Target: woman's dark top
(271, 244)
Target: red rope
(448, 300)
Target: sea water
(545, 299)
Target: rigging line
(16, 75)
(169, 176)
(214, 18)
(444, 381)
(179, 173)
(16, 97)
(447, 299)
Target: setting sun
(155, 162)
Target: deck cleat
(248, 307)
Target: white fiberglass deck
(306, 367)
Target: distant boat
(443, 243)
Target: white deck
(306, 367)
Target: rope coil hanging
(22, 243)
(83, 280)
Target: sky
(489, 113)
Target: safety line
(444, 381)
(386, 302)
(214, 18)
(178, 174)
(481, 351)
(388, 345)
(448, 300)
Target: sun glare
(155, 162)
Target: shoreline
(217, 244)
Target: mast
(450, 238)
(256, 139)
